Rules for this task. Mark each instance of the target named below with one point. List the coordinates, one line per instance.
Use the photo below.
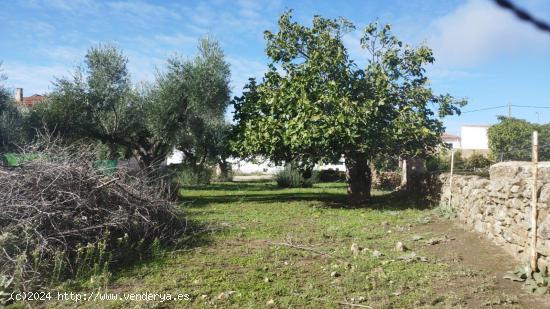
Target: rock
(270, 302)
(267, 280)
(377, 253)
(224, 295)
(335, 274)
(355, 249)
(204, 296)
(400, 247)
(416, 237)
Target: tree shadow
(270, 193)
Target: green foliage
(13, 159)
(445, 211)
(441, 162)
(477, 161)
(387, 181)
(183, 108)
(511, 139)
(331, 175)
(12, 120)
(315, 104)
(291, 177)
(386, 163)
(193, 175)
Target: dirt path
(481, 265)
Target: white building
(474, 139)
(452, 140)
(240, 166)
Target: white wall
(176, 157)
(268, 168)
(474, 137)
(249, 167)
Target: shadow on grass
(235, 186)
(196, 235)
(270, 193)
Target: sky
(483, 53)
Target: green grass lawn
(290, 248)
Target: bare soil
(481, 266)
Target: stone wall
(500, 207)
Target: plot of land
(293, 248)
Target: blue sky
(482, 52)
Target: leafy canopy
(511, 139)
(316, 104)
(12, 135)
(99, 102)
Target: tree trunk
(224, 170)
(358, 177)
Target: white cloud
(34, 78)
(478, 31)
(64, 54)
(178, 40)
(65, 5)
(143, 10)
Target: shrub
(387, 181)
(193, 175)
(62, 218)
(331, 175)
(441, 162)
(292, 178)
(477, 161)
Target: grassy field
(293, 248)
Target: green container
(14, 160)
(106, 166)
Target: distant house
(472, 139)
(27, 102)
(452, 140)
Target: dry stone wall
(500, 207)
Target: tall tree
(510, 139)
(315, 104)
(100, 103)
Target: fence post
(535, 157)
(451, 177)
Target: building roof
(32, 100)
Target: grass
(288, 248)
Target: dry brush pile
(62, 218)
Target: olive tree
(315, 104)
(12, 133)
(100, 103)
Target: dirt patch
(480, 266)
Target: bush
(441, 162)
(61, 218)
(387, 181)
(193, 175)
(331, 175)
(292, 178)
(477, 161)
